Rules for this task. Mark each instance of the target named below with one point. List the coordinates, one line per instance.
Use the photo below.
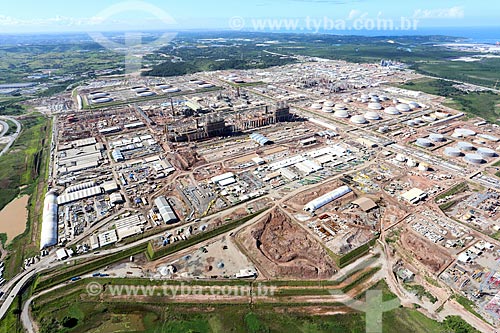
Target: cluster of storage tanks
(99, 97)
(143, 91)
(472, 154)
(373, 103)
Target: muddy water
(13, 217)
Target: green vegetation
(11, 322)
(11, 108)
(355, 254)
(243, 55)
(420, 291)
(360, 279)
(481, 104)
(154, 254)
(57, 312)
(3, 239)
(458, 325)
(19, 167)
(444, 207)
(23, 171)
(12, 127)
(459, 188)
(468, 305)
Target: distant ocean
(487, 35)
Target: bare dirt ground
(187, 158)
(391, 213)
(284, 250)
(425, 252)
(298, 201)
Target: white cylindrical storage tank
(437, 137)
(423, 142)
(140, 89)
(146, 94)
(392, 111)
(441, 115)
(163, 86)
(347, 100)
(465, 146)
(463, 132)
(316, 106)
(327, 109)
(423, 167)
(340, 107)
(486, 152)
(411, 163)
(102, 100)
(400, 158)
(48, 235)
(403, 107)
(206, 85)
(372, 115)
(429, 119)
(171, 90)
(453, 152)
(474, 158)
(98, 95)
(358, 119)
(341, 114)
(413, 105)
(375, 106)
(328, 104)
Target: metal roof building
(79, 195)
(167, 213)
(49, 221)
(260, 139)
(414, 195)
(327, 198)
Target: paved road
(13, 136)
(5, 128)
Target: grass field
(23, 171)
(480, 104)
(60, 313)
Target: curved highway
(13, 137)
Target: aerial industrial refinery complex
(291, 172)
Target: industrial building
(166, 212)
(327, 198)
(49, 221)
(414, 195)
(260, 139)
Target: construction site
(292, 177)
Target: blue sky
(102, 15)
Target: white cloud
(442, 13)
(57, 21)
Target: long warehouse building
(327, 198)
(49, 221)
(167, 213)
